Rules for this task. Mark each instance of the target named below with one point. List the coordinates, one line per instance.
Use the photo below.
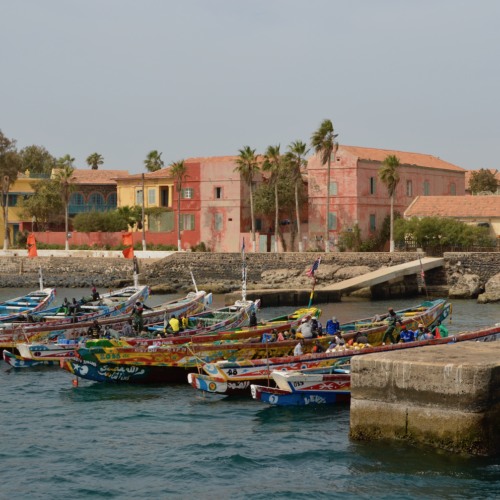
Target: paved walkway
(385, 274)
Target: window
(138, 197)
(112, 200)
(332, 157)
(453, 190)
(332, 221)
(372, 223)
(12, 200)
(426, 188)
(372, 185)
(333, 188)
(219, 222)
(218, 193)
(152, 196)
(96, 199)
(77, 199)
(187, 222)
(408, 188)
(258, 224)
(186, 193)
(254, 186)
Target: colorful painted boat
(296, 388)
(31, 303)
(18, 362)
(193, 303)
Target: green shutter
(192, 221)
(182, 192)
(332, 221)
(181, 225)
(333, 189)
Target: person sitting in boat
(317, 327)
(407, 335)
(361, 338)
(64, 307)
(128, 330)
(279, 336)
(95, 294)
(332, 326)
(318, 348)
(440, 331)
(184, 321)
(268, 337)
(298, 348)
(427, 335)
(304, 331)
(253, 319)
(174, 325)
(100, 303)
(293, 334)
(200, 324)
(393, 321)
(419, 331)
(110, 333)
(74, 307)
(376, 319)
(95, 331)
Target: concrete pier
(284, 297)
(447, 396)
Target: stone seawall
(64, 271)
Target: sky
(207, 77)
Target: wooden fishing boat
(31, 303)
(18, 362)
(44, 332)
(296, 388)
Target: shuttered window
(138, 197)
(426, 188)
(258, 224)
(372, 185)
(373, 227)
(187, 222)
(187, 193)
(219, 222)
(152, 196)
(332, 221)
(333, 189)
(453, 190)
(408, 188)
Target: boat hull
(279, 397)
(19, 362)
(218, 386)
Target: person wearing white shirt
(298, 348)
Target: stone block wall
(484, 264)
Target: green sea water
(169, 442)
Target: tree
(65, 182)
(483, 180)
(273, 163)
(265, 200)
(247, 166)
(389, 175)
(65, 161)
(10, 165)
(94, 160)
(295, 161)
(179, 173)
(153, 161)
(324, 143)
(133, 215)
(45, 203)
(37, 160)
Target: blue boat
(21, 307)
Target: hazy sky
(206, 77)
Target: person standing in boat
(440, 331)
(253, 319)
(304, 331)
(95, 294)
(137, 313)
(332, 326)
(95, 331)
(393, 322)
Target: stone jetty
(447, 396)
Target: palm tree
(65, 160)
(295, 160)
(179, 173)
(248, 166)
(64, 180)
(273, 163)
(153, 161)
(389, 175)
(324, 143)
(94, 160)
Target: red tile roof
(421, 160)
(98, 176)
(206, 159)
(163, 173)
(494, 171)
(455, 206)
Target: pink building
(358, 196)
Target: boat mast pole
(41, 278)
(244, 275)
(267, 359)
(194, 281)
(136, 278)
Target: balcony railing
(33, 175)
(85, 209)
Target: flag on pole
(314, 267)
(128, 253)
(31, 242)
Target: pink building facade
(357, 196)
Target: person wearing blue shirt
(268, 337)
(332, 326)
(407, 335)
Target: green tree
(179, 173)
(94, 160)
(45, 203)
(483, 180)
(389, 175)
(295, 161)
(65, 161)
(10, 165)
(37, 160)
(132, 215)
(247, 166)
(324, 144)
(273, 163)
(65, 182)
(153, 161)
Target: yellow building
(159, 188)
(21, 188)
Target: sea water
(168, 441)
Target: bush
(201, 247)
(109, 222)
